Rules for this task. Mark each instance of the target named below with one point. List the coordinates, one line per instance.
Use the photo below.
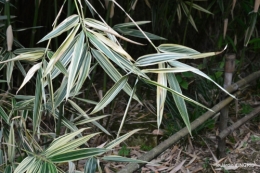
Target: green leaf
(3, 115)
(176, 48)
(194, 70)
(175, 92)
(111, 71)
(30, 74)
(78, 50)
(37, 102)
(130, 24)
(139, 34)
(117, 141)
(90, 165)
(77, 154)
(75, 106)
(179, 101)
(25, 164)
(8, 169)
(88, 120)
(11, 144)
(61, 50)
(64, 26)
(111, 94)
(161, 95)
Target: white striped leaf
(114, 158)
(175, 92)
(25, 164)
(75, 106)
(197, 71)
(64, 26)
(3, 115)
(76, 56)
(30, 74)
(111, 94)
(60, 52)
(179, 101)
(37, 102)
(11, 144)
(176, 48)
(30, 56)
(88, 120)
(112, 71)
(117, 141)
(161, 95)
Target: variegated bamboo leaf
(30, 74)
(37, 102)
(179, 101)
(197, 71)
(112, 71)
(61, 50)
(64, 26)
(90, 165)
(114, 158)
(117, 141)
(11, 144)
(176, 48)
(30, 56)
(77, 54)
(111, 94)
(3, 115)
(88, 120)
(75, 106)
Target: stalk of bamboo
(183, 132)
(223, 119)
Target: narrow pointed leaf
(111, 94)
(90, 165)
(25, 164)
(88, 120)
(78, 50)
(175, 92)
(58, 54)
(30, 74)
(77, 155)
(11, 144)
(3, 115)
(179, 101)
(37, 102)
(117, 141)
(64, 26)
(30, 56)
(176, 48)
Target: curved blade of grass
(161, 95)
(30, 74)
(175, 92)
(78, 50)
(111, 71)
(114, 158)
(179, 101)
(176, 48)
(86, 101)
(11, 144)
(197, 71)
(75, 106)
(117, 141)
(4, 115)
(64, 26)
(111, 94)
(90, 165)
(77, 154)
(37, 102)
(61, 50)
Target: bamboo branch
(239, 123)
(183, 132)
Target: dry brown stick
(239, 123)
(183, 132)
